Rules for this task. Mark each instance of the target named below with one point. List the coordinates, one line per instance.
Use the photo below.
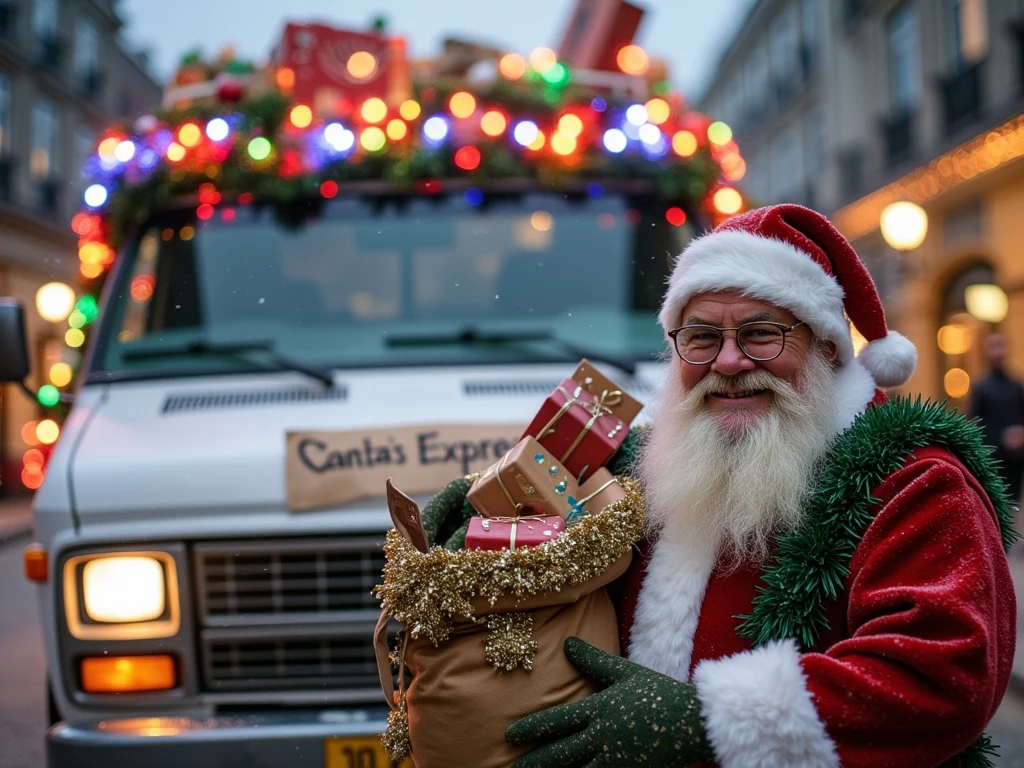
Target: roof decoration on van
(530, 121)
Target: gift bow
(601, 405)
(515, 521)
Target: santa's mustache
(715, 383)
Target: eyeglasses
(700, 344)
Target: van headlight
(121, 596)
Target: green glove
(641, 717)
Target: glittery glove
(641, 717)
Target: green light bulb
(48, 395)
(260, 148)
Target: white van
(193, 616)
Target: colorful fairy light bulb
(217, 129)
(657, 111)
(570, 125)
(259, 148)
(467, 158)
(632, 60)
(124, 151)
(563, 143)
(728, 201)
(719, 133)
(462, 104)
(397, 129)
(525, 132)
(373, 110)
(684, 143)
(372, 139)
(175, 152)
(636, 114)
(493, 123)
(615, 140)
(543, 59)
(340, 138)
(512, 66)
(409, 110)
(301, 116)
(189, 135)
(435, 129)
(95, 195)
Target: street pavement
(23, 667)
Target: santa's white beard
(730, 490)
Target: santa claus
(824, 580)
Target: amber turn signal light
(126, 674)
(37, 563)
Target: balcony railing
(898, 136)
(962, 100)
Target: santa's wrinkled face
(736, 400)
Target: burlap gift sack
(484, 633)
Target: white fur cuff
(759, 713)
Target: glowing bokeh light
(570, 125)
(95, 195)
(361, 65)
(632, 60)
(397, 129)
(719, 133)
(410, 109)
(728, 201)
(301, 116)
(636, 114)
(543, 59)
(175, 152)
(467, 158)
(462, 104)
(218, 129)
(259, 148)
(189, 135)
(493, 123)
(372, 139)
(525, 132)
(374, 110)
(684, 143)
(615, 140)
(435, 129)
(657, 111)
(512, 66)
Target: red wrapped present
(509, 532)
(527, 480)
(584, 421)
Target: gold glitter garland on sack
(510, 642)
(396, 739)
(424, 590)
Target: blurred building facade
(64, 78)
(848, 105)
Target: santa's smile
(745, 394)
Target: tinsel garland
(810, 565)
(510, 642)
(426, 590)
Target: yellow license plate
(359, 752)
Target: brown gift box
(527, 480)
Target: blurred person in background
(998, 400)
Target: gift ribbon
(578, 506)
(501, 484)
(515, 521)
(602, 405)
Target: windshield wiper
(471, 335)
(200, 347)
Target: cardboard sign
(327, 469)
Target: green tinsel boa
(810, 565)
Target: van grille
(287, 614)
(205, 401)
(311, 661)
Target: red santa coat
(916, 660)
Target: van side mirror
(14, 364)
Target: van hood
(216, 445)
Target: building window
(45, 157)
(785, 50)
(87, 54)
(904, 59)
(755, 82)
(814, 141)
(44, 29)
(786, 168)
(82, 146)
(966, 31)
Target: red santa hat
(794, 258)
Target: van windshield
(337, 283)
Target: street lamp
(986, 302)
(904, 225)
(54, 301)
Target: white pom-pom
(890, 360)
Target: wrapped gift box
(597, 493)
(527, 480)
(584, 421)
(512, 532)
